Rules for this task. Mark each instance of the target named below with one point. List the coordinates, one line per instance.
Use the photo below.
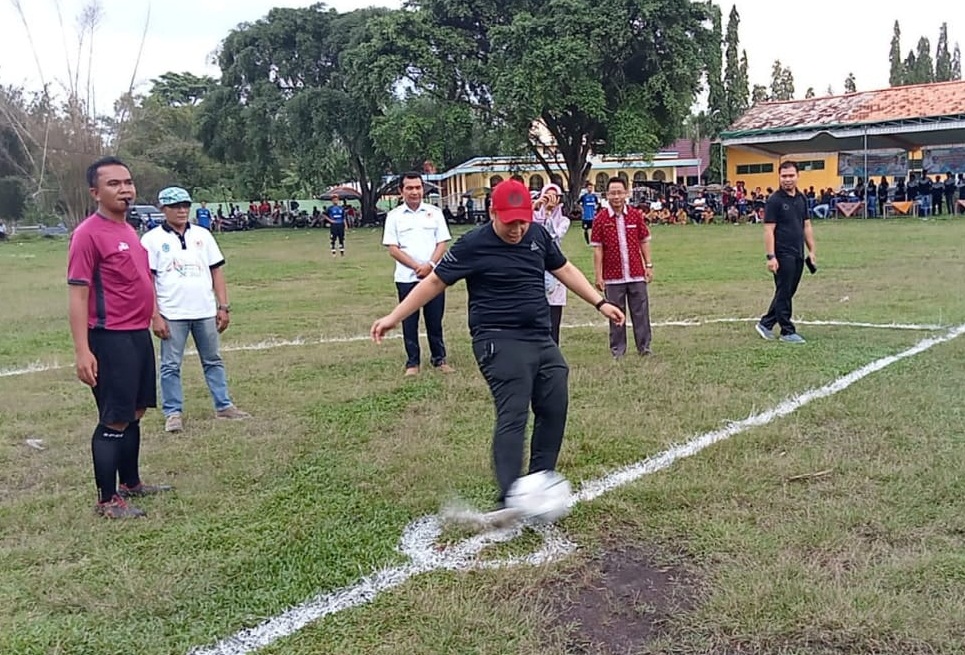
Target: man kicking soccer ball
(503, 263)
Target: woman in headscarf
(548, 212)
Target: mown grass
(342, 453)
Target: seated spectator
(3, 230)
(733, 215)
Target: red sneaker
(117, 508)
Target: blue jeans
(205, 333)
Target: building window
(557, 179)
(494, 180)
(639, 178)
(754, 169)
(601, 180)
(623, 176)
(813, 165)
(535, 182)
(848, 180)
(659, 176)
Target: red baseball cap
(511, 202)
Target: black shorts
(126, 380)
(337, 230)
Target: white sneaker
(173, 423)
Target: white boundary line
(269, 344)
(418, 540)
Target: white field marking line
(268, 344)
(418, 540)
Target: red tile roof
(897, 103)
(689, 149)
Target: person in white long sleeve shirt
(548, 212)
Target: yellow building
(838, 139)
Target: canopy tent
(343, 193)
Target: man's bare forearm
(77, 299)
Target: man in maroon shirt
(111, 308)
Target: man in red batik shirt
(621, 261)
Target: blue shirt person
(202, 216)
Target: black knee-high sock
(105, 446)
(130, 453)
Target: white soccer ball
(543, 496)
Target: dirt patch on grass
(621, 600)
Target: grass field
(836, 529)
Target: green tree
(809, 93)
(736, 84)
(849, 84)
(622, 84)
(782, 82)
(178, 89)
(159, 136)
(956, 63)
(759, 94)
(910, 67)
(716, 92)
(924, 70)
(295, 85)
(420, 128)
(943, 58)
(896, 76)
(13, 198)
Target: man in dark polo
(503, 263)
(787, 228)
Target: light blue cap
(172, 196)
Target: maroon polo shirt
(108, 258)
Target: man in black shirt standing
(503, 263)
(787, 228)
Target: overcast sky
(821, 40)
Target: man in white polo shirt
(192, 298)
(416, 235)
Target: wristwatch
(771, 256)
(224, 308)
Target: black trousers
(788, 276)
(337, 233)
(521, 374)
(432, 312)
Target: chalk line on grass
(419, 539)
(269, 344)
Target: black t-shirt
(788, 213)
(507, 292)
